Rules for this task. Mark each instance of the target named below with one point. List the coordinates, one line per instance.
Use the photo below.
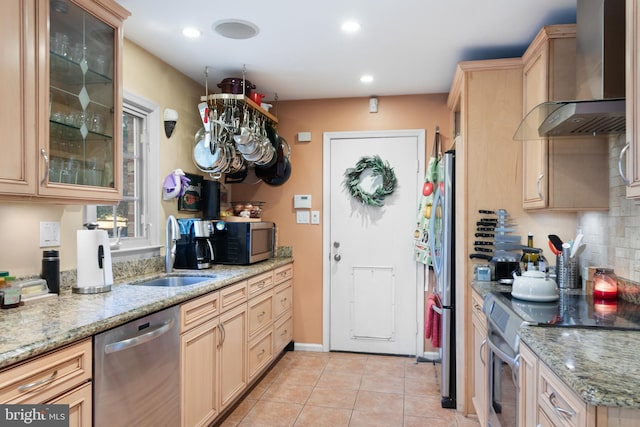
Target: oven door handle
(512, 361)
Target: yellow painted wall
(318, 116)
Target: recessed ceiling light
(191, 32)
(236, 29)
(367, 78)
(350, 26)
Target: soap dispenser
(94, 261)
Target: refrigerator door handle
(436, 260)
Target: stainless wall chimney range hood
(600, 79)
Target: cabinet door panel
(233, 355)
(199, 374)
(18, 104)
(80, 406)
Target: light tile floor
(344, 389)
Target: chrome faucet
(172, 236)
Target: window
(135, 219)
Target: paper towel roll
(90, 274)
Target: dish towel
(433, 321)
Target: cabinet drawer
(260, 313)
(198, 311)
(283, 273)
(559, 403)
(282, 298)
(80, 403)
(260, 353)
(260, 283)
(233, 295)
(283, 332)
(45, 377)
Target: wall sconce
(170, 120)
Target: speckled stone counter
(42, 326)
(601, 366)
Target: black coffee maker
(194, 250)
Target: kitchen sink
(172, 281)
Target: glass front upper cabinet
(83, 115)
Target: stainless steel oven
(503, 382)
(503, 345)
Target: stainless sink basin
(171, 281)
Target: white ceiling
(409, 46)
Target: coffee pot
(194, 249)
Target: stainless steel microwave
(243, 243)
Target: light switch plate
(315, 217)
(49, 233)
(302, 217)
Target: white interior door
(375, 286)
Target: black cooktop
(572, 310)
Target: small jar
(605, 284)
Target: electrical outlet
(315, 217)
(49, 233)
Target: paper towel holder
(94, 272)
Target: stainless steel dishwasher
(136, 372)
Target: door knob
(336, 245)
(337, 257)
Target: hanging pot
(279, 180)
(202, 156)
(234, 85)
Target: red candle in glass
(605, 284)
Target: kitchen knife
(484, 235)
(481, 256)
(478, 249)
(507, 238)
(486, 228)
(482, 243)
(483, 211)
(493, 220)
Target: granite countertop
(599, 365)
(41, 326)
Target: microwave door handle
(211, 249)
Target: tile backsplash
(613, 237)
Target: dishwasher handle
(139, 339)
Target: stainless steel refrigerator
(444, 267)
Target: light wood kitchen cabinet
(49, 376)
(480, 356)
(632, 173)
(559, 173)
(545, 396)
(485, 101)
(260, 313)
(261, 353)
(80, 401)
(560, 405)
(228, 338)
(60, 377)
(233, 349)
(528, 384)
(199, 360)
(64, 122)
(18, 103)
(213, 355)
